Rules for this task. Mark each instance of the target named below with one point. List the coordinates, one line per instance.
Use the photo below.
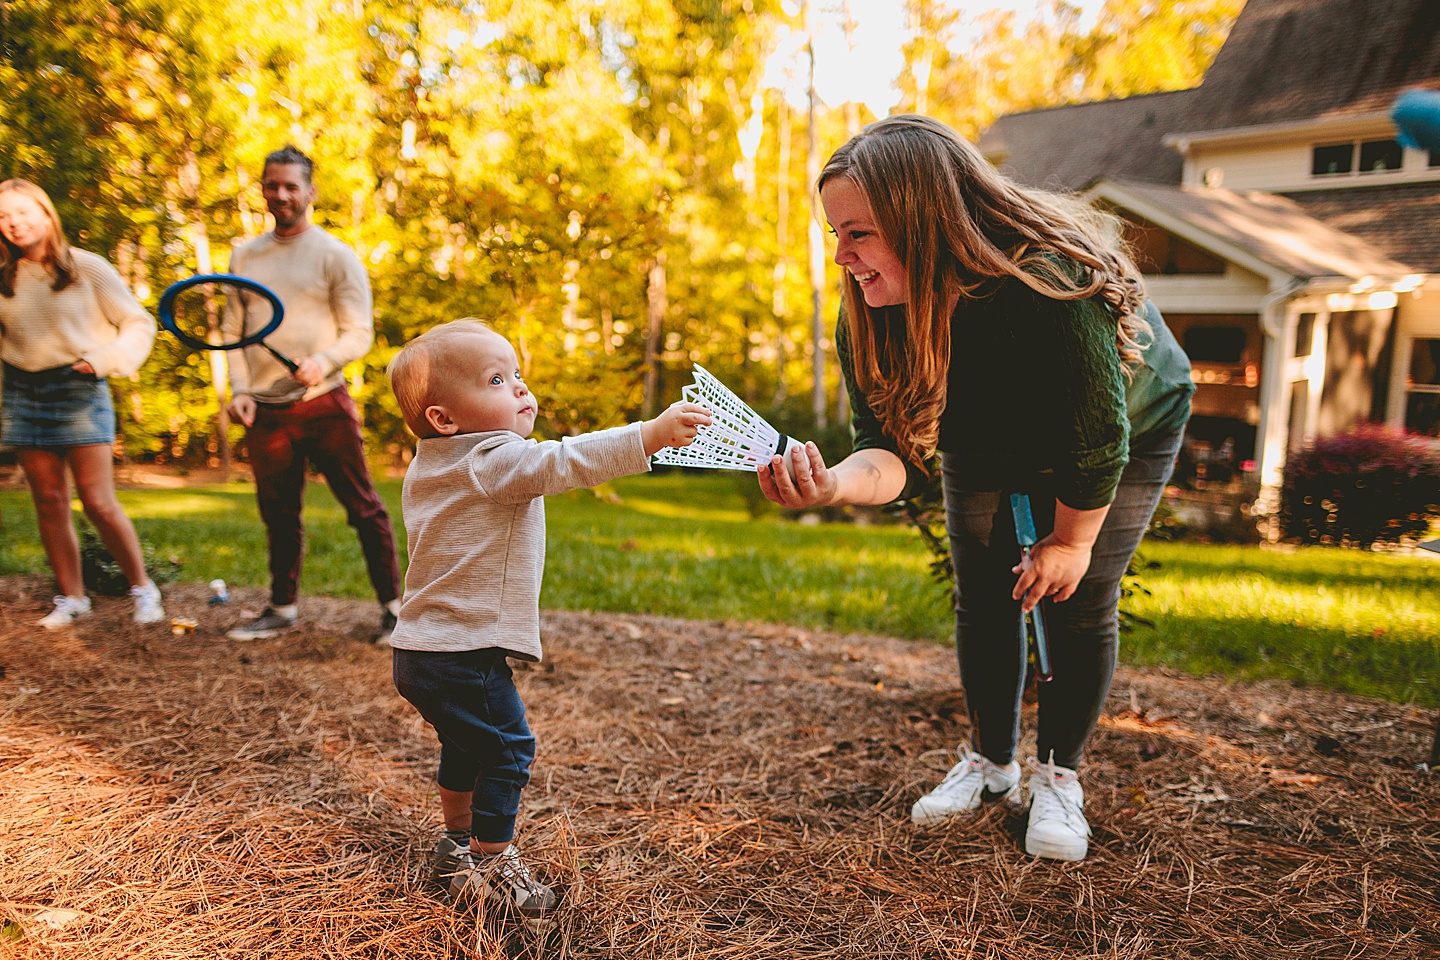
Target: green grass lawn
(686, 546)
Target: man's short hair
(291, 154)
(421, 373)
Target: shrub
(1371, 485)
(102, 574)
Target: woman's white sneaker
(148, 607)
(1057, 829)
(67, 611)
(970, 783)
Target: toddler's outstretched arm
(676, 427)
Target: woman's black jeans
(1083, 631)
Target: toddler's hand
(676, 427)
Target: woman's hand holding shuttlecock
(799, 478)
(676, 427)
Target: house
(1291, 242)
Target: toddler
(475, 522)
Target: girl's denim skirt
(58, 407)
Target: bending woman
(67, 321)
(1006, 329)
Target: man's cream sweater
(326, 295)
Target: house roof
(1067, 148)
(1270, 229)
(1284, 62)
(1288, 60)
(1401, 221)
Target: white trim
(1287, 130)
(1278, 323)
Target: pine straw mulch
(703, 790)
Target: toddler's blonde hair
(426, 368)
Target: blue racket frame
(167, 315)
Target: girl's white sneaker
(969, 784)
(1057, 830)
(67, 611)
(148, 608)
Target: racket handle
(290, 365)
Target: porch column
(1278, 320)
(1314, 368)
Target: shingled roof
(1400, 221)
(1067, 148)
(1273, 229)
(1290, 60)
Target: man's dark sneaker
(382, 634)
(504, 881)
(263, 627)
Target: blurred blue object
(1417, 115)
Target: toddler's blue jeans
(486, 746)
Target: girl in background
(67, 321)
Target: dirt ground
(703, 790)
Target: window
(1422, 404)
(1158, 251)
(1381, 155)
(1338, 158)
(1215, 344)
(1305, 335)
(1425, 363)
(1435, 158)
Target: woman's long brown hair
(957, 224)
(57, 252)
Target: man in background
(328, 323)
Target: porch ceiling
(1270, 229)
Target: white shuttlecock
(738, 438)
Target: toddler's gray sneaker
(449, 859)
(505, 881)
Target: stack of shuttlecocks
(738, 438)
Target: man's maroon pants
(325, 432)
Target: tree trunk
(780, 306)
(219, 370)
(658, 302)
(816, 246)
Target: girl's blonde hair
(57, 252)
(957, 225)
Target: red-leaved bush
(1371, 485)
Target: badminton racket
(192, 309)
(1025, 536)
